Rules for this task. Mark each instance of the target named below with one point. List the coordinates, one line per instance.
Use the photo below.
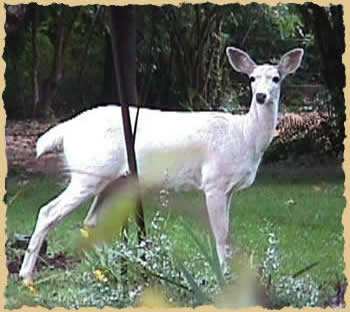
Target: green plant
(287, 290)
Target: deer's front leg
(218, 205)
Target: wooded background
(59, 58)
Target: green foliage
(189, 42)
(181, 61)
(290, 290)
(19, 59)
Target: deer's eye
(276, 79)
(252, 79)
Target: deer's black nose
(261, 97)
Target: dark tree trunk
(330, 39)
(17, 19)
(50, 84)
(36, 59)
(61, 41)
(123, 32)
(109, 89)
(329, 31)
(85, 56)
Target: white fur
(231, 148)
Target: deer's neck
(261, 125)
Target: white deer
(231, 149)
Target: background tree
(327, 24)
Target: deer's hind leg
(49, 216)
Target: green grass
(310, 230)
(25, 201)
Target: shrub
(301, 134)
(289, 290)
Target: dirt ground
(21, 137)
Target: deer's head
(265, 79)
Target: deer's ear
(240, 61)
(290, 62)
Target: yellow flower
(84, 233)
(100, 275)
(33, 289)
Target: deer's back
(94, 142)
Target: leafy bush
(118, 275)
(302, 134)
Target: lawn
(295, 214)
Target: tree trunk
(123, 33)
(109, 89)
(85, 56)
(62, 38)
(329, 35)
(36, 59)
(329, 31)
